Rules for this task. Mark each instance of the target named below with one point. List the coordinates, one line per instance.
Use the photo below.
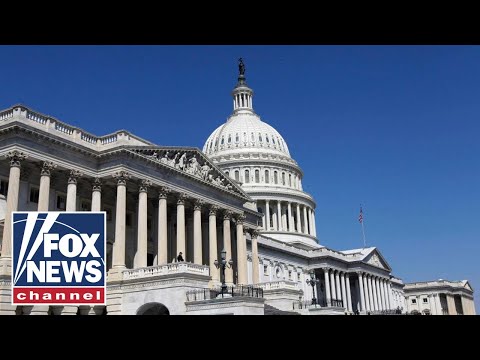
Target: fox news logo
(58, 258)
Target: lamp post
(223, 264)
(312, 282)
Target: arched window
(273, 140)
(275, 177)
(267, 176)
(247, 176)
(229, 139)
(259, 137)
(226, 173)
(257, 176)
(253, 137)
(237, 138)
(223, 141)
(266, 138)
(289, 179)
(283, 179)
(237, 175)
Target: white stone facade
(243, 194)
(440, 297)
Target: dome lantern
(242, 94)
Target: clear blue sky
(395, 128)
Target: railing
(319, 303)
(167, 269)
(282, 284)
(231, 291)
(108, 139)
(36, 117)
(6, 114)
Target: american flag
(360, 217)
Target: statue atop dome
(241, 67)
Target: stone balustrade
(53, 125)
(168, 269)
(281, 284)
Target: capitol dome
(245, 131)
(254, 154)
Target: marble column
(284, 221)
(362, 292)
(433, 305)
(212, 246)
(181, 240)
(385, 291)
(255, 262)
(305, 220)
(310, 224)
(290, 217)
(96, 195)
(332, 281)
(344, 291)
(299, 222)
(15, 158)
(337, 283)
(120, 219)
(368, 293)
(264, 220)
(349, 295)
(44, 191)
(241, 252)
(267, 213)
(327, 286)
(140, 259)
(439, 304)
(162, 247)
(279, 216)
(374, 293)
(382, 294)
(197, 232)
(313, 224)
(450, 305)
(227, 244)
(72, 190)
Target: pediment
(192, 162)
(376, 259)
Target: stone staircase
(271, 310)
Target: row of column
(279, 218)
(375, 292)
(119, 246)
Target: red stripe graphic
(59, 295)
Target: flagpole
(363, 233)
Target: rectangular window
(414, 301)
(298, 276)
(86, 206)
(425, 300)
(265, 269)
(290, 275)
(3, 187)
(34, 193)
(61, 202)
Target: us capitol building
(236, 210)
